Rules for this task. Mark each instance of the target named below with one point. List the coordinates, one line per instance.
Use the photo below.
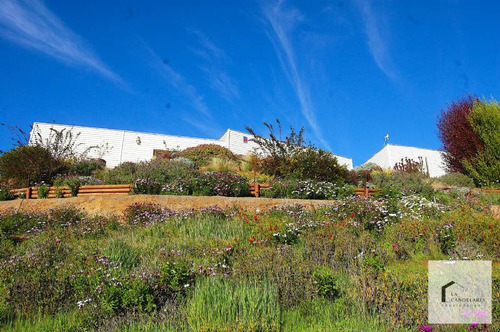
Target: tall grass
(225, 305)
(218, 164)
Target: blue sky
(349, 71)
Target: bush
(86, 167)
(202, 155)
(74, 185)
(484, 167)
(308, 190)
(457, 180)
(292, 158)
(163, 171)
(395, 184)
(221, 184)
(43, 191)
(5, 194)
(460, 141)
(326, 284)
(316, 164)
(28, 164)
(121, 174)
(146, 187)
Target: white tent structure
(118, 146)
(391, 154)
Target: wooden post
(28, 193)
(367, 192)
(256, 189)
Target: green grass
(226, 305)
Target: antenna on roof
(386, 139)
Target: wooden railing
(125, 189)
(64, 191)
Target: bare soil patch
(116, 205)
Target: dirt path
(115, 205)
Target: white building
(391, 154)
(118, 146)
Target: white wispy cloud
(282, 22)
(32, 25)
(178, 82)
(214, 68)
(376, 42)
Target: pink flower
(426, 328)
(395, 246)
(58, 240)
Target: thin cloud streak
(178, 81)
(376, 43)
(282, 22)
(32, 25)
(216, 59)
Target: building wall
(122, 144)
(392, 154)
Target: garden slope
(115, 205)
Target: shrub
(162, 171)
(326, 284)
(460, 141)
(221, 184)
(74, 185)
(86, 167)
(408, 165)
(201, 155)
(121, 174)
(29, 164)
(457, 180)
(308, 190)
(5, 194)
(395, 184)
(484, 166)
(292, 158)
(178, 186)
(146, 187)
(316, 164)
(43, 191)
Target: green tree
(484, 168)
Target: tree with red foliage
(460, 141)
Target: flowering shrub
(308, 190)
(146, 187)
(221, 184)
(179, 186)
(146, 214)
